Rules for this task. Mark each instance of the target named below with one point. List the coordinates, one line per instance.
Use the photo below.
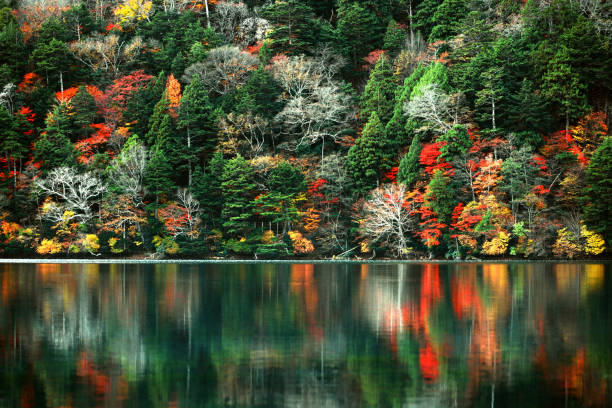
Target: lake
(306, 335)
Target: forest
(458, 129)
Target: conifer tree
(409, 164)
(366, 159)
(597, 195)
(356, 30)
(53, 148)
(395, 38)
(292, 26)
(379, 92)
(237, 187)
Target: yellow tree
(131, 10)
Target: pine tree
(141, 105)
(366, 159)
(53, 148)
(395, 38)
(597, 195)
(198, 120)
(292, 26)
(379, 92)
(237, 187)
(397, 130)
(357, 31)
(157, 179)
(440, 197)
(159, 113)
(409, 166)
(446, 21)
(84, 112)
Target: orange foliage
(92, 145)
(173, 91)
(29, 83)
(67, 95)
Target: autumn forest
(457, 129)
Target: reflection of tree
(170, 335)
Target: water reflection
(462, 335)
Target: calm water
(324, 335)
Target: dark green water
(323, 335)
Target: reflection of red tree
(303, 284)
(428, 362)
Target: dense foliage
(306, 128)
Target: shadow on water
(324, 334)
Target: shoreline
(291, 261)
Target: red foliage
(117, 95)
(430, 158)
(67, 95)
(30, 116)
(560, 142)
(112, 26)
(92, 145)
(314, 188)
(254, 49)
(540, 190)
(428, 362)
(431, 228)
(392, 174)
(372, 58)
(29, 83)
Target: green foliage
(292, 26)
(395, 38)
(54, 149)
(446, 21)
(367, 159)
(237, 187)
(597, 195)
(357, 31)
(441, 197)
(409, 166)
(379, 91)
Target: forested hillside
(317, 128)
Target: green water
(303, 335)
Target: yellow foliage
(566, 245)
(498, 245)
(268, 237)
(594, 243)
(301, 245)
(91, 243)
(133, 10)
(311, 219)
(364, 246)
(111, 244)
(49, 246)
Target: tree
(157, 177)
(127, 170)
(53, 148)
(225, 69)
(379, 92)
(292, 26)
(357, 31)
(395, 38)
(434, 107)
(446, 21)
(237, 187)
(388, 219)
(562, 85)
(52, 58)
(366, 158)
(106, 53)
(597, 195)
(198, 119)
(78, 194)
(409, 164)
(133, 10)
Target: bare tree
(78, 193)
(106, 53)
(249, 129)
(127, 170)
(387, 218)
(434, 107)
(192, 209)
(224, 69)
(6, 97)
(317, 107)
(229, 16)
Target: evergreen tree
(379, 92)
(292, 26)
(286, 178)
(207, 189)
(409, 166)
(440, 197)
(423, 19)
(141, 105)
(446, 21)
(395, 38)
(357, 31)
(597, 195)
(157, 180)
(84, 112)
(366, 158)
(397, 129)
(160, 112)
(198, 120)
(53, 148)
(237, 187)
